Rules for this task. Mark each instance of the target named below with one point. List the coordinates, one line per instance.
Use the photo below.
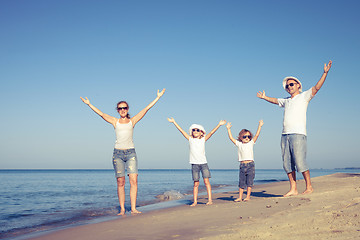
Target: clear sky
(211, 56)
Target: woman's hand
(159, 94)
(86, 100)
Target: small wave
(170, 195)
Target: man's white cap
(292, 78)
(193, 126)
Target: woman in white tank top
(124, 151)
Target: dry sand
(332, 211)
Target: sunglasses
(196, 130)
(246, 136)
(122, 108)
(290, 84)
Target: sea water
(38, 200)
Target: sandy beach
(332, 211)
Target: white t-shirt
(295, 112)
(197, 150)
(124, 135)
(245, 150)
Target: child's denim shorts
(125, 159)
(246, 174)
(196, 168)
(293, 148)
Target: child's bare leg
(309, 188)
(248, 193)
(293, 189)
(208, 189)
(195, 192)
(239, 199)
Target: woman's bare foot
(193, 204)
(209, 203)
(238, 200)
(135, 211)
(121, 213)
(291, 193)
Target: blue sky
(211, 56)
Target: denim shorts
(125, 159)
(293, 148)
(246, 174)
(196, 168)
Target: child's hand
(86, 100)
(261, 122)
(172, 120)
(228, 126)
(261, 94)
(222, 122)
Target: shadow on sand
(261, 194)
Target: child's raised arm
(261, 123)
(142, 113)
(222, 122)
(172, 120)
(228, 126)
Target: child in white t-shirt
(245, 144)
(197, 138)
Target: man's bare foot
(121, 213)
(193, 204)
(291, 193)
(135, 211)
(209, 203)
(238, 200)
(308, 190)
(246, 199)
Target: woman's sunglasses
(122, 108)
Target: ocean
(33, 201)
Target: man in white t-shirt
(293, 139)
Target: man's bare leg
(309, 188)
(292, 180)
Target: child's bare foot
(121, 213)
(209, 203)
(308, 190)
(193, 204)
(291, 193)
(238, 200)
(246, 199)
(135, 211)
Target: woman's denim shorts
(125, 159)
(246, 174)
(196, 168)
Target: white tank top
(124, 135)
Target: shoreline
(266, 215)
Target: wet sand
(332, 211)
